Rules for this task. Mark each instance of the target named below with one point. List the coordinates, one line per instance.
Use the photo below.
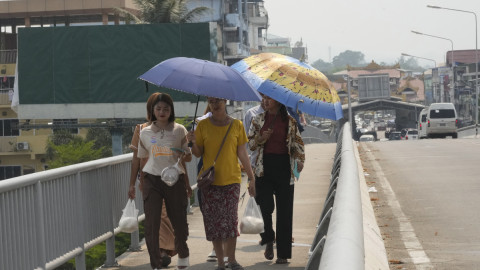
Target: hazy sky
(380, 29)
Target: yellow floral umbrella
(292, 83)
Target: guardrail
(50, 217)
(338, 243)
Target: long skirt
(220, 211)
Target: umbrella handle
(190, 144)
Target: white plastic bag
(129, 221)
(252, 221)
(171, 174)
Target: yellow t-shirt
(209, 136)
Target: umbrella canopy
(201, 77)
(292, 83)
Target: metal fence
(50, 217)
(338, 243)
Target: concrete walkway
(310, 193)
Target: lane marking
(407, 233)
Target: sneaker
(212, 257)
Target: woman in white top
(159, 142)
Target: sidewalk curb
(375, 252)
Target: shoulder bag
(208, 176)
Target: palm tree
(162, 11)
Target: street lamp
(409, 55)
(453, 75)
(418, 33)
(435, 62)
(476, 60)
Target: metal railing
(338, 243)
(50, 217)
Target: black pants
(276, 182)
(155, 191)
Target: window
(442, 113)
(7, 172)
(7, 127)
(424, 118)
(65, 124)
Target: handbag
(207, 177)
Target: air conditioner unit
(22, 146)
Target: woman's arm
(243, 156)
(196, 150)
(135, 167)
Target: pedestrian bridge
(50, 217)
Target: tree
(163, 11)
(410, 64)
(322, 66)
(73, 152)
(348, 57)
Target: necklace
(162, 133)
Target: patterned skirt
(220, 211)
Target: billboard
(92, 71)
(373, 86)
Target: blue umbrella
(203, 78)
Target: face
(216, 104)
(270, 104)
(162, 111)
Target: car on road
(412, 134)
(367, 138)
(422, 124)
(395, 135)
(442, 120)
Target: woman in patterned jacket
(275, 135)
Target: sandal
(235, 266)
(281, 261)
(183, 263)
(269, 251)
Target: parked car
(367, 138)
(395, 135)
(403, 132)
(412, 134)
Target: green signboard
(101, 64)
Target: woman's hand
(299, 166)
(251, 187)
(189, 191)
(191, 136)
(131, 192)
(266, 135)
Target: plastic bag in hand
(171, 174)
(129, 221)
(252, 221)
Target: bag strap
(223, 141)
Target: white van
(422, 124)
(441, 120)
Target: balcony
(8, 56)
(6, 96)
(233, 22)
(236, 50)
(8, 144)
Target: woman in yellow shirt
(220, 200)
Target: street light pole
(476, 60)
(347, 78)
(453, 63)
(435, 62)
